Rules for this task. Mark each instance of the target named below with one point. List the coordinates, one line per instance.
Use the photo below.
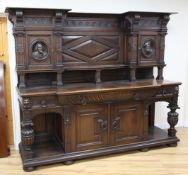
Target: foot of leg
(144, 149)
(28, 169)
(172, 144)
(68, 162)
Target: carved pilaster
(66, 115)
(27, 131)
(131, 21)
(22, 80)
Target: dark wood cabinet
(86, 86)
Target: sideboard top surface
(92, 87)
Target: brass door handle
(103, 124)
(115, 123)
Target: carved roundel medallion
(39, 51)
(148, 48)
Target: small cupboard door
(127, 123)
(89, 128)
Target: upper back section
(49, 39)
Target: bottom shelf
(51, 152)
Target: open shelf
(157, 137)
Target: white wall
(175, 54)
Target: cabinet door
(89, 128)
(127, 123)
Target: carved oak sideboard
(86, 86)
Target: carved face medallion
(148, 48)
(39, 51)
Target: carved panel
(129, 118)
(149, 49)
(39, 50)
(93, 50)
(91, 127)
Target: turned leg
(133, 74)
(98, 76)
(172, 116)
(160, 73)
(59, 79)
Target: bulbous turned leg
(27, 139)
(172, 117)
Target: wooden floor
(165, 161)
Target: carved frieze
(92, 23)
(82, 99)
(38, 21)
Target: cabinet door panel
(126, 123)
(90, 127)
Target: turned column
(160, 72)
(27, 131)
(173, 116)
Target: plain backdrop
(176, 48)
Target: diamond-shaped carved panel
(90, 48)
